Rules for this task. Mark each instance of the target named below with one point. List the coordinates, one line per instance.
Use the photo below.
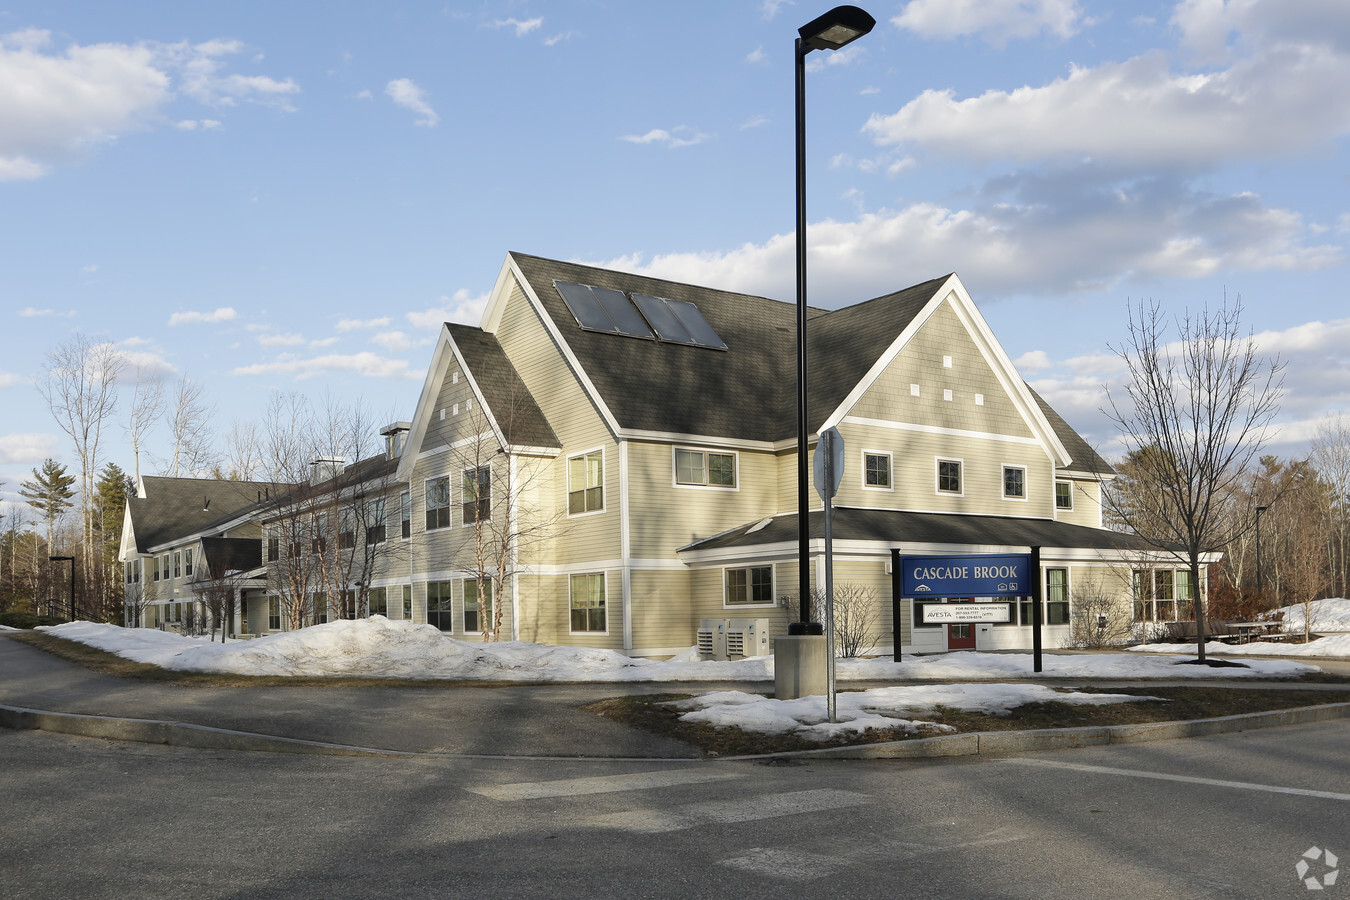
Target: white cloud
(148, 362)
(8, 379)
(1282, 99)
(462, 307)
(754, 122)
(1027, 241)
(522, 27)
(397, 341)
(1033, 361)
(358, 324)
(281, 340)
(559, 38)
(222, 314)
(757, 57)
(26, 449)
(996, 21)
(842, 57)
(405, 93)
(57, 104)
(203, 124)
(680, 136)
(770, 8)
(323, 342)
(365, 364)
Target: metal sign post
(829, 471)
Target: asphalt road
(1219, 817)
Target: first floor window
(586, 483)
(750, 587)
(1063, 495)
(877, 470)
(440, 605)
(949, 476)
(1185, 595)
(705, 468)
(378, 602)
(588, 602)
(1057, 596)
(438, 502)
(1014, 482)
(320, 607)
(407, 603)
(477, 615)
(477, 494)
(273, 613)
(1155, 598)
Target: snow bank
(379, 648)
(882, 708)
(1335, 645)
(1327, 615)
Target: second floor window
(698, 467)
(877, 470)
(405, 514)
(586, 483)
(273, 545)
(177, 564)
(1014, 482)
(1063, 495)
(949, 476)
(477, 494)
(375, 522)
(438, 502)
(187, 563)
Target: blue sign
(965, 576)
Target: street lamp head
(837, 28)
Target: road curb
(985, 743)
(1002, 743)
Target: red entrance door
(962, 636)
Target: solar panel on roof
(663, 320)
(692, 319)
(622, 312)
(584, 307)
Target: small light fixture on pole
(1260, 582)
(71, 560)
(837, 28)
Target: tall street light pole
(837, 28)
(71, 560)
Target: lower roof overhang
(871, 532)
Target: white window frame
(449, 503)
(675, 470)
(1069, 485)
(890, 471)
(466, 522)
(1003, 483)
(604, 575)
(773, 587)
(937, 476)
(604, 494)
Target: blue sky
(291, 197)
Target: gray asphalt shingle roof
(889, 525)
(173, 508)
(510, 402)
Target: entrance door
(961, 636)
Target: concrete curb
(985, 743)
(177, 734)
(1002, 743)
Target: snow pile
(9, 628)
(379, 648)
(881, 708)
(1327, 616)
(1335, 645)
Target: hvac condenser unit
(733, 638)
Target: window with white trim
(1014, 483)
(877, 470)
(949, 476)
(586, 483)
(750, 586)
(1063, 495)
(588, 602)
(705, 468)
(477, 616)
(476, 494)
(440, 605)
(438, 502)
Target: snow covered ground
(1327, 616)
(379, 648)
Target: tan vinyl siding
(666, 516)
(1087, 506)
(662, 613)
(871, 575)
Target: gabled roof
(375, 469)
(1085, 459)
(176, 508)
(502, 391)
(894, 526)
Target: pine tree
(49, 493)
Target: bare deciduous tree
(147, 407)
(856, 611)
(79, 384)
(190, 427)
(1331, 456)
(1200, 407)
